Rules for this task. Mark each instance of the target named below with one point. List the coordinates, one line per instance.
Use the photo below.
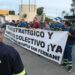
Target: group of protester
(57, 24)
(13, 64)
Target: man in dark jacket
(10, 61)
(67, 58)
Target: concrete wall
(30, 11)
(11, 17)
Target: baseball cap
(57, 20)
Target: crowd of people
(57, 24)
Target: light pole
(21, 9)
(29, 5)
(34, 5)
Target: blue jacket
(56, 27)
(23, 24)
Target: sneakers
(69, 68)
(67, 64)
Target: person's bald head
(1, 35)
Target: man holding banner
(67, 59)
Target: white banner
(49, 44)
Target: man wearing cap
(10, 61)
(56, 25)
(67, 58)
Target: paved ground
(37, 65)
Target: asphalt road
(37, 65)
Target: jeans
(68, 52)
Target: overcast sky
(51, 7)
